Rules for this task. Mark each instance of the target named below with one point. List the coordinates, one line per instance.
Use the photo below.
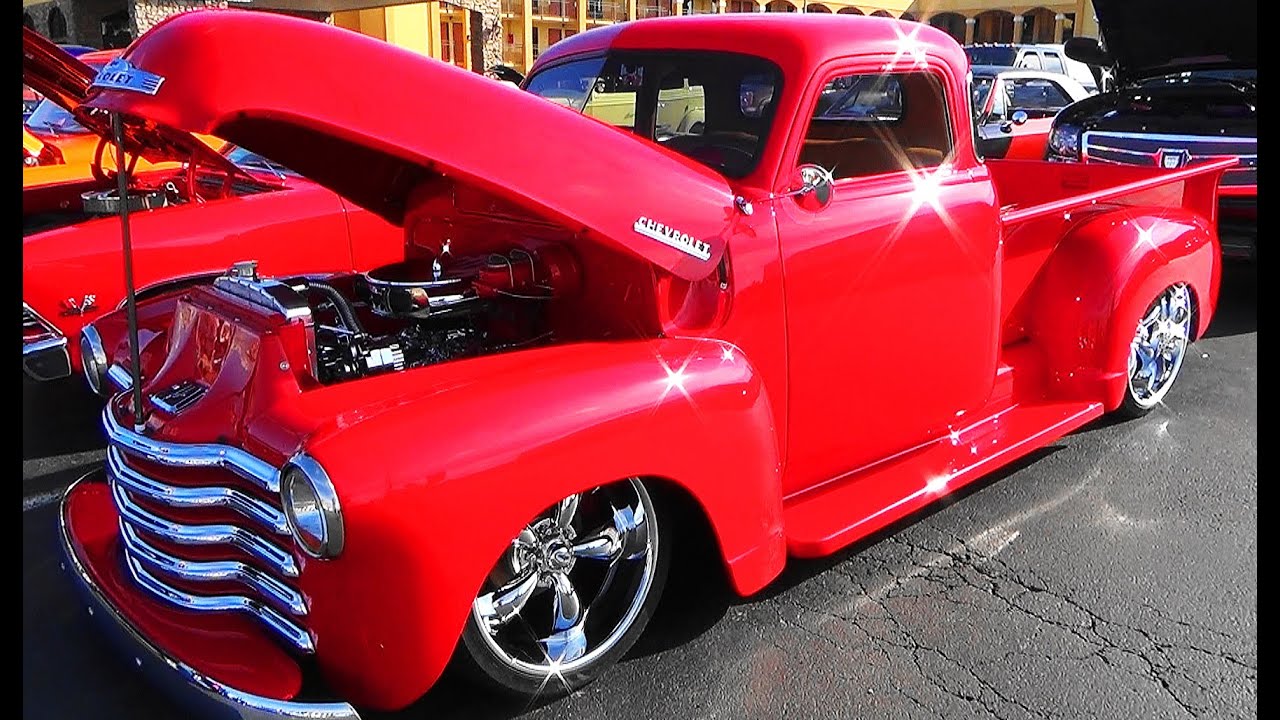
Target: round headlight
(1064, 142)
(311, 507)
(93, 359)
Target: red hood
(371, 121)
(66, 80)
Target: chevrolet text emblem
(673, 237)
(1173, 159)
(120, 75)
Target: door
(891, 289)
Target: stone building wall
(147, 13)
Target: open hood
(372, 121)
(52, 71)
(1155, 37)
(66, 80)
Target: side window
(613, 99)
(1037, 96)
(871, 124)
(1030, 60)
(1053, 62)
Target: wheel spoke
(568, 642)
(499, 606)
(566, 509)
(627, 538)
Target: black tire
(480, 661)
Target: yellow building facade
(442, 30)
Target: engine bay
(435, 309)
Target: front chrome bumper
(201, 694)
(44, 352)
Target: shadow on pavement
(1237, 311)
(60, 417)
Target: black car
(1186, 91)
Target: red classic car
(1015, 109)
(191, 221)
(795, 330)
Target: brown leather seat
(858, 157)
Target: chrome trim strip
(191, 688)
(213, 571)
(298, 637)
(270, 294)
(276, 557)
(43, 345)
(194, 497)
(203, 455)
(1174, 138)
(120, 377)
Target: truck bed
(1030, 189)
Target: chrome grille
(34, 327)
(191, 562)
(1144, 149)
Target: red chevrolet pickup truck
(794, 328)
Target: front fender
(435, 485)
(1099, 282)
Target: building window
(533, 40)
(872, 124)
(57, 24)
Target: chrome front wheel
(571, 593)
(1158, 348)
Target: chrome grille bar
(270, 554)
(194, 497)
(196, 455)
(212, 571)
(295, 634)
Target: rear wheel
(1158, 348)
(571, 594)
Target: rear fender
(1101, 279)
(434, 488)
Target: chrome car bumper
(201, 694)
(44, 350)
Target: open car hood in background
(1156, 37)
(371, 121)
(66, 80)
(52, 71)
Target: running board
(820, 521)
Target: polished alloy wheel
(573, 583)
(1159, 346)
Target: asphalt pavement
(1112, 574)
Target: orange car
(65, 150)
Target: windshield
(1239, 78)
(249, 160)
(1002, 56)
(715, 108)
(49, 117)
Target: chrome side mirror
(1019, 117)
(816, 187)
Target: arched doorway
(1037, 26)
(881, 13)
(993, 26)
(907, 16)
(57, 24)
(848, 11)
(949, 23)
(816, 8)
(779, 6)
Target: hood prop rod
(131, 300)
